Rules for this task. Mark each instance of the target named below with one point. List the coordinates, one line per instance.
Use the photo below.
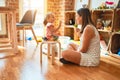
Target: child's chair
(50, 46)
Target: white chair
(27, 23)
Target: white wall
(79, 3)
(94, 3)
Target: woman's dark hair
(86, 17)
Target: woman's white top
(92, 56)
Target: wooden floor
(26, 66)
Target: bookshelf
(110, 30)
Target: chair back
(29, 17)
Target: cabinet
(107, 22)
(69, 29)
(70, 17)
(69, 24)
(109, 18)
(114, 47)
(104, 22)
(9, 43)
(116, 25)
(106, 17)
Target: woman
(88, 52)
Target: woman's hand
(77, 30)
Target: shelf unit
(107, 19)
(69, 30)
(112, 15)
(106, 16)
(114, 45)
(116, 25)
(69, 23)
(70, 17)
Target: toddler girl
(51, 31)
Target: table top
(6, 9)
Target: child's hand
(60, 23)
(58, 26)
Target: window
(39, 6)
(80, 3)
(35, 4)
(0, 23)
(2, 19)
(2, 2)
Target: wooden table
(11, 29)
